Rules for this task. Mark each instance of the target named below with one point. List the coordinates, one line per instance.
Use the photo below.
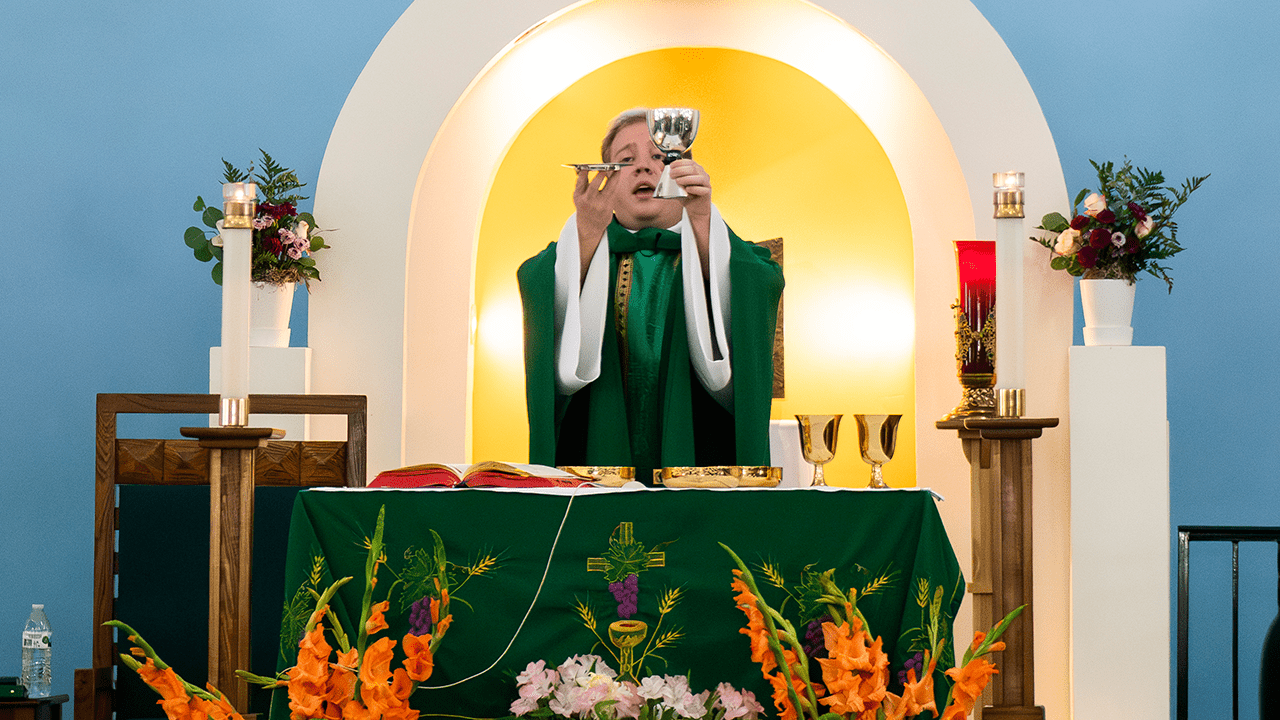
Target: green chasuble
(648, 409)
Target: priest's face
(636, 208)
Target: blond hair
(625, 119)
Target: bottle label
(36, 640)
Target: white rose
(301, 229)
(1068, 242)
(1094, 204)
(1145, 226)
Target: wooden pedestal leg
(230, 571)
(231, 453)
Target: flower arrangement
(585, 687)
(1123, 228)
(855, 673)
(284, 239)
(357, 684)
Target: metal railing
(1188, 534)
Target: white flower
(523, 705)
(1094, 204)
(301, 229)
(1117, 239)
(1068, 242)
(692, 706)
(677, 686)
(651, 687)
(261, 222)
(1145, 226)
(531, 671)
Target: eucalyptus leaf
(1059, 263)
(1054, 222)
(199, 204)
(307, 261)
(195, 238)
(211, 217)
(203, 254)
(216, 273)
(1080, 196)
(217, 251)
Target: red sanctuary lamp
(975, 312)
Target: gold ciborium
(818, 442)
(877, 438)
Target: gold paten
(718, 476)
(607, 475)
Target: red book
(485, 474)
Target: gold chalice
(818, 441)
(877, 437)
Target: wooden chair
(184, 462)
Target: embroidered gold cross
(656, 558)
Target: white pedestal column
(272, 371)
(1120, 539)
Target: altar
(529, 573)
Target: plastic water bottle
(37, 655)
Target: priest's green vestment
(687, 427)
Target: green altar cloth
(889, 545)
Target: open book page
(490, 473)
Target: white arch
(416, 145)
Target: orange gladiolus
(342, 681)
(782, 698)
(418, 662)
(377, 622)
(856, 675)
(755, 629)
(917, 695)
(970, 681)
(443, 626)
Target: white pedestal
(272, 371)
(1120, 541)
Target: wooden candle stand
(999, 455)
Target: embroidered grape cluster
(420, 616)
(627, 592)
(915, 662)
(814, 642)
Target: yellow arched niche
(787, 159)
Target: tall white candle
(1010, 238)
(237, 252)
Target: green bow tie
(622, 241)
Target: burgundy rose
(1078, 222)
(277, 211)
(1106, 217)
(1087, 257)
(1137, 211)
(271, 244)
(1099, 237)
(1132, 244)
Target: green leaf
(203, 254)
(1081, 196)
(217, 251)
(199, 204)
(317, 243)
(307, 218)
(216, 273)
(211, 217)
(1059, 263)
(306, 261)
(195, 238)
(1054, 222)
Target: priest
(648, 325)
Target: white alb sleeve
(580, 307)
(708, 326)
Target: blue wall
(112, 121)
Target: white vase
(269, 308)
(1108, 311)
